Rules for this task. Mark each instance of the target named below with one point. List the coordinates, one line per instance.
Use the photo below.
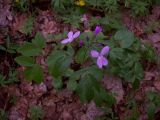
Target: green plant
(3, 115)
(108, 22)
(21, 5)
(73, 18)
(123, 54)
(2, 80)
(152, 26)
(139, 7)
(36, 113)
(61, 5)
(83, 81)
(154, 103)
(29, 51)
(8, 46)
(13, 100)
(28, 26)
(10, 79)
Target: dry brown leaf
(93, 111)
(5, 16)
(40, 89)
(149, 75)
(19, 22)
(114, 84)
(19, 111)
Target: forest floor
(17, 99)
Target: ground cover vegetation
(80, 59)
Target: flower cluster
(101, 60)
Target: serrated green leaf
(72, 85)
(25, 60)
(97, 73)
(34, 73)
(116, 53)
(93, 70)
(29, 49)
(82, 55)
(107, 97)
(86, 87)
(125, 38)
(39, 40)
(58, 63)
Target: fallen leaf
(114, 84)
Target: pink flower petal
(104, 61)
(65, 41)
(94, 53)
(105, 50)
(70, 34)
(76, 34)
(99, 62)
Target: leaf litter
(65, 105)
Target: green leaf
(3, 81)
(85, 88)
(100, 36)
(107, 97)
(28, 26)
(34, 73)
(70, 50)
(69, 72)
(154, 97)
(116, 53)
(29, 49)
(151, 111)
(57, 83)
(72, 85)
(25, 61)
(86, 36)
(96, 72)
(58, 63)
(125, 38)
(3, 114)
(82, 55)
(136, 84)
(36, 112)
(151, 95)
(92, 70)
(39, 40)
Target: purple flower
(71, 37)
(81, 43)
(101, 60)
(97, 30)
